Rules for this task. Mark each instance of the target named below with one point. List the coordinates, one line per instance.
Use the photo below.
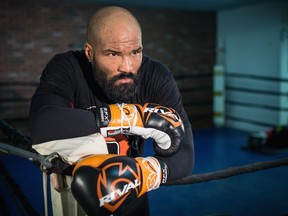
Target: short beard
(121, 93)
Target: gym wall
(33, 31)
(255, 48)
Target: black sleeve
(162, 88)
(52, 115)
(181, 164)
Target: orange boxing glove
(160, 123)
(110, 184)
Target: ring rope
(191, 179)
(232, 171)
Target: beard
(121, 93)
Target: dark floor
(263, 193)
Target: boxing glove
(160, 123)
(111, 184)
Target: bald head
(110, 19)
(114, 48)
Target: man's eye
(113, 54)
(136, 52)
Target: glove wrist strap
(154, 173)
(164, 170)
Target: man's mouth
(124, 80)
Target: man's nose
(126, 64)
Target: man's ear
(88, 51)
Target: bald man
(111, 69)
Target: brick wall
(33, 31)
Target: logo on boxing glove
(167, 113)
(116, 182)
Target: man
(111, 70)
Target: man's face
(116, 62)
(116, 88)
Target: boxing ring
(217, 157)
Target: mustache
(122, 76)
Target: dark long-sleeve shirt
(67, 88)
